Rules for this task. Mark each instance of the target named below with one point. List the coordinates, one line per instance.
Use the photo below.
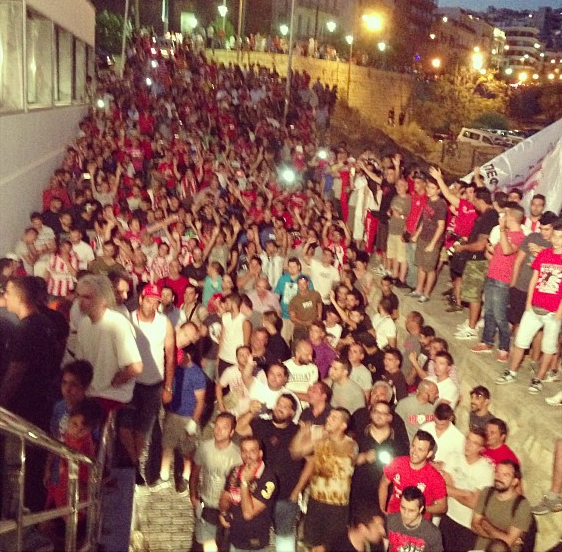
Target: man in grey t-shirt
(345, 392)
(212, 463)
(417, 409)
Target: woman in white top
(384, 326)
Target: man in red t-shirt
(496, 288)
(464, 220)
(414, 471)
(496, 450)
(542, 311)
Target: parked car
(479, 137)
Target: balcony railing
(20, 434)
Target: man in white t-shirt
(268, 387)
(448, 438)
(449, 392)
(302, 371)
(82, 250)
(466, 473)
(238, 401)
(107, 340)
(323, 273)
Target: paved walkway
(165, 520)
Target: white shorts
(531, 323)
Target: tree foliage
(453, 101)
(550, 102)
(228, 27)
(109, 31)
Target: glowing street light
(331, 26)
(432, 36)
(436, 63)
(477, 61)
(445, 19)
(535, 76)
(373, 21)
(523, 76)
(551, 76)
(509, 71)
(223, 10)
(284, 29)
(381, 46)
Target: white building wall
(32, 144)
(31, 148)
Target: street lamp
(289, 62)
(436, 63)
(381, 46)
(477, 60)
(331, 26)
(509, 71)
(523, 76)
(223, 10)
(349, 40)
(284, 29)
(373, 21)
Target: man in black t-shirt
(276, 435)
(247, 500)
(30, 385)
(476, 266)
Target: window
(63, 67)
(79, 87)
(91, 65)
(11, 56)
(39, 64)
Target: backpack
(530, 536)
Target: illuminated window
(39, 64)
(11, 56)
(63, 66)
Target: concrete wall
(372, 91)
(31, 148)
(77, 17)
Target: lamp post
(289, 62)
(331, 26)
(349, 40)
(223, 10)
(239, 38)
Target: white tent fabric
(534, 166)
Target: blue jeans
(284, 518)
(496, 300)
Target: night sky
(482, 5)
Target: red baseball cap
(151, 291)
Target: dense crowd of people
(199, 252)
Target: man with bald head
(302, 371)
(417, 409)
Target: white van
(478, 137)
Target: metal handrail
(28, 434)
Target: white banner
(534, 166)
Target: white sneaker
(536, 386)
(551, 376)
(506, 377)
(462, 325)
(555, 400)
(467, 333)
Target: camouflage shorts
(473, 278)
